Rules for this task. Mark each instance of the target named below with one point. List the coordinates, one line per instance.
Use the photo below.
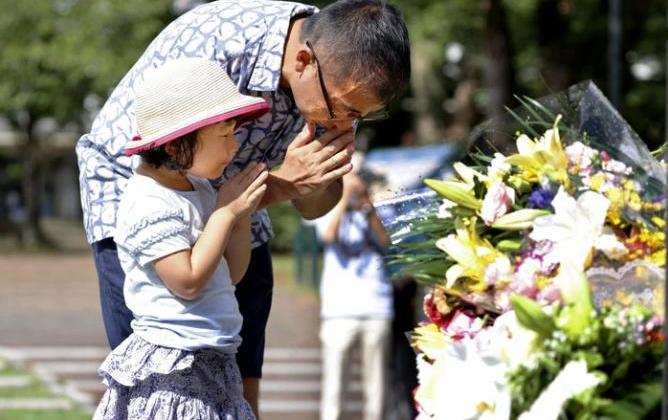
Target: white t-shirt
(153, 222)
(354, 280)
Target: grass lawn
(34, 389)
(44, 415)
(285, 273)
(284, 267)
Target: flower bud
(518, 220)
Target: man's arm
(310, 206)
(321, 202)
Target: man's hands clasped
(311, 165)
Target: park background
(59, 60)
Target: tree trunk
(32, 234)
(426, 95)
(552, 30)
(499, 71)
(464, 113)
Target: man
(269, 49)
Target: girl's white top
(153, 222)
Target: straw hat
(184, 95)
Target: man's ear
(303, 59)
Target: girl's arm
(238, 251)
(187, 272)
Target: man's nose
(346, 124)
(342, 125)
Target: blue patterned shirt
(247, 38)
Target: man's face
(328, 102)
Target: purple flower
(541, 198)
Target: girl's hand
(241, 194)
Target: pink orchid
(498, 200)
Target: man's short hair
(365, 41)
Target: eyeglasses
(372, 116)
(322, 83)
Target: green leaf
(531, 315)
(641, 402)
(526, 125)
(577, 314)
(518, 220)
(509, 245)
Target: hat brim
(246, 113)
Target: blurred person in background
(356, 300)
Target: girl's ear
(171, 149)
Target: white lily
(498, 167)
(514, 343)
(465, 384)
(571, 381)
(444, 209)
(576, 227)
(468, 174)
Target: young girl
(182, 246)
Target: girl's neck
(168, 178)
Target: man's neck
(292, 44)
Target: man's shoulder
(232, 10)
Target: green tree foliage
(285, 223)
(54, 54)
(554, 44)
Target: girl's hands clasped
(240, 195)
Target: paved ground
(50, 321)
(54, 300)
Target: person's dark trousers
(254, 294)
(404, 369)
(115, 314)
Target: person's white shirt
(354, 281)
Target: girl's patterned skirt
(145, 381)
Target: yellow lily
(458, 192)
(468, 175)
(472, 255)
(430, 340)
(544, 156)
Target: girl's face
(215, 148)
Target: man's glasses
(372, 116)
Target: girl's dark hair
(181, 161)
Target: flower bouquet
(546, 272)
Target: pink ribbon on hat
(136, 138)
